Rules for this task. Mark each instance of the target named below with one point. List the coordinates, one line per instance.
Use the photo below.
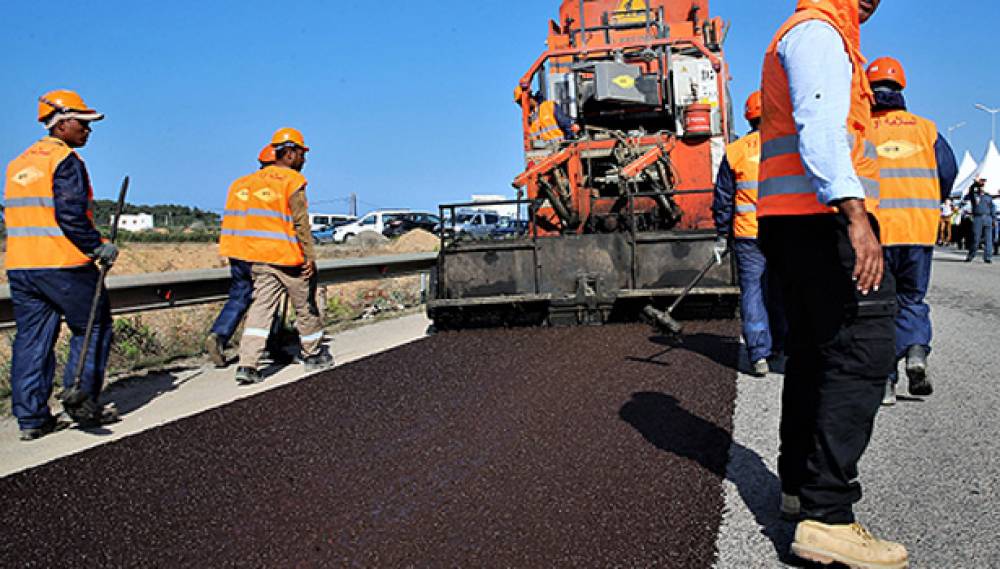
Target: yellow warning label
(266, 195)
(898, 149)
(630, 12)
(27, 176)
(624, 81)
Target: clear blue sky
(405, 103)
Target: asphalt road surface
(525, 448)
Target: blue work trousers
(41, 297)
(760, 307)
(911, 266)
(240, 297)
(982, 232)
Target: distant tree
(163, 214)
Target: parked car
(325, 234)
(510, 227)
(320, 221)
(406, 222)
(474, 224)
(373, 221)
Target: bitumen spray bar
(579, 447)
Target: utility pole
(354, 204)
(993, 112)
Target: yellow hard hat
(266, 155)
(62, 104)
(288, 135)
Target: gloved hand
(106, 253)
(720, 248)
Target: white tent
(965, 170)
(989, 168)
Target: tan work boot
(850, 544)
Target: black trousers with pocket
(841, 349)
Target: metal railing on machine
(158, 291)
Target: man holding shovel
(52, 246)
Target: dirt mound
(140, 258)
(370, 240)
(416, 241)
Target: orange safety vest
(257, 225)
(34, 239)
(546, 127)
(744, 159)
(785, 188)
(911, 189)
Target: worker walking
(734, 209)
(917, 169)
(52, 244)
(984, 213)
(818, 191)
(240, 289)
(266, 223)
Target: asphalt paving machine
(616, 216)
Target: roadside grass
(154, 339)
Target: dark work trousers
(840, 348)
(910, 265)
(40, 297)
(760, 309)
(240, 297)
(982, 233)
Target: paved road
(931, 478)
(500, 448)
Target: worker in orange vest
(266, 223)
(918, 170)
(818, 191)
(240, 293)
(549, 123)
(52, 245)
(734, 209)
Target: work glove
(106, 253)
(720, 248)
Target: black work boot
(248, 375)
(50, 426)
(916, 371)
(322, 360)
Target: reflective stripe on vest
(257, 223)
(34, 239)
(744, 159)
(911, 189)
(546, 127)
(785, 187)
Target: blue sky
(408, 104)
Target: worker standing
(818, 191)
(52, 244)
(267, 224)
(983, 213)
(917, 169)
(549, 124)
(734, 209)
(240, 288)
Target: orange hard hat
(288, 136)
(887, 69)
(64, 104)
(518, 92)
(267, 156)
(754, 107)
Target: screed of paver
(577, 447)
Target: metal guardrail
(157, 291)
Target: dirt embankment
(142, 258)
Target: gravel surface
(591, 447)
(930, 476)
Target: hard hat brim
(88, 115)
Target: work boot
(791, 508)
(248, 376)
(761, 368)
(889, 398)
(90, 415)
(216, 349)
(320, 361)
(849, 544)
(50, 426)
(916, 371)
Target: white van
(320, 221)
(373, 221)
